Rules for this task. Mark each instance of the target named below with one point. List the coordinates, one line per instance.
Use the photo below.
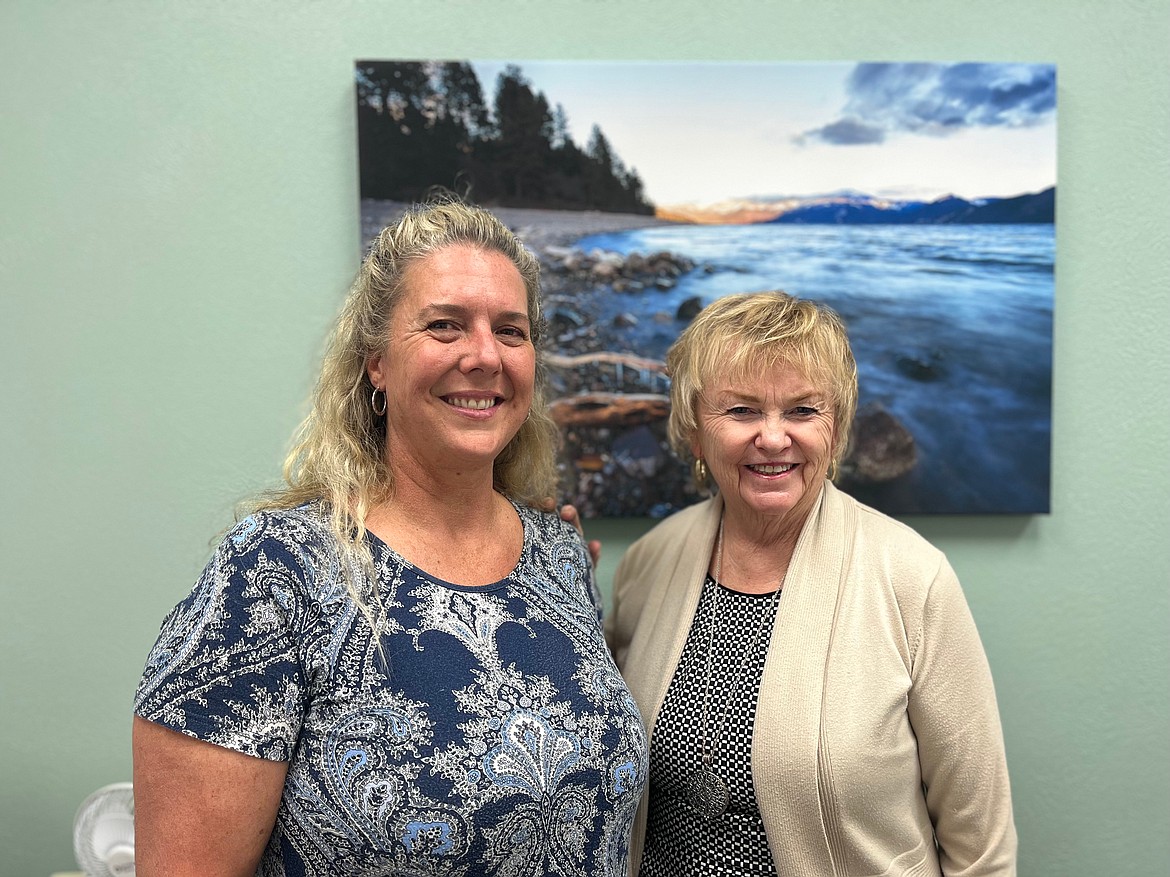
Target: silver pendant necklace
(705, 789)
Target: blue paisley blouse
(490, 735)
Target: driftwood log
(628, 360)
(610, 409)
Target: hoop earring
(700, 473)
(374, 401)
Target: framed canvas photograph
(915, 199)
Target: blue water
(975, 303)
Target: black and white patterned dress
(679, 840)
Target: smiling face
(767, 440)
(459, 366)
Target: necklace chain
(711, 734)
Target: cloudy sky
(705, 132)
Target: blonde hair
(339, 452)
(740, 335)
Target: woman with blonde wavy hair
(395, 665)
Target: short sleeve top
(487, 731)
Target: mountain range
(854, 208)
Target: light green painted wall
(178, 192)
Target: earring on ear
(700, 473)
(374, 401)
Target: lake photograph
(915, 199)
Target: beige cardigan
(877, 731)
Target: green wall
(178, 192)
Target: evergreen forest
(427, 124)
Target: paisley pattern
(487, 733)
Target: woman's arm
(953, 712)
(200, 809)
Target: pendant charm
(707, 793)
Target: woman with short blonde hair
(817, 696)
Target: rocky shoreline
(612, 405)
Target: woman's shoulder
(545, 525)
(684, 528)
(284, 561)
(306, 524)
(881, 529)
(900, 553)
(683, 522)
(546, 534)
(297, 541)
(555, 549)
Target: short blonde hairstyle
(338, 454)
(740, 335)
